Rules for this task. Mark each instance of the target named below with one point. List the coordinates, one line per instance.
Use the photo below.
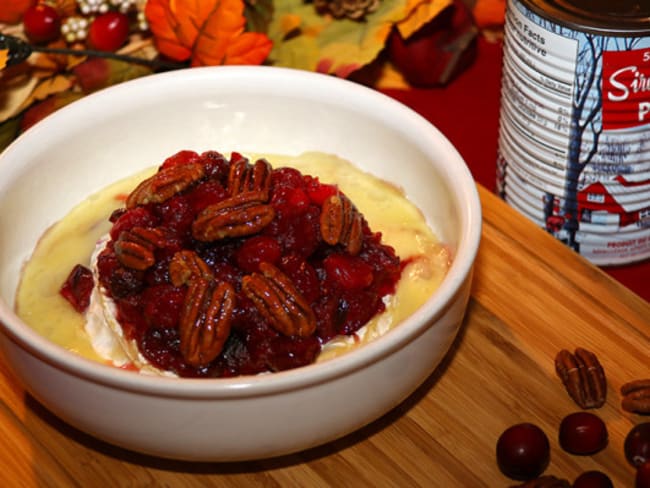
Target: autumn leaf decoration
(205, 32)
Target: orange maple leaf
(12, 10)
(205, 32)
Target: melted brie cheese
(80, 236)
(104, 330)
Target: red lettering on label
(626, 89)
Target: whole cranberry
(109, 31)
(637, 444)
(523, 451)
(350, 272)
(642, 479)
(42, 24)
(593, 479)
(256, 250)
(583, 433)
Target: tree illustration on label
(611, 99)
(611, 102)
(585, 128)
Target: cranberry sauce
(343, 289)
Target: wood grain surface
(532, 296)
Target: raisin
(125, 281)
(234, 355)
(161, 348)
(158, 274)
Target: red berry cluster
(107, 30)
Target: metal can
(574, 129)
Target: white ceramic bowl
(113, 133)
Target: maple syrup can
(574, 135)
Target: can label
(574, 137)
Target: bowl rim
(266, 384)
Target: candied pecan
(135, 248)
(279, 302)
(244, 177)
(636, 396)
(205, 320)
(241, 215)
(187, 265)
(165, 184)
(583, 377)
(546, 481)
(341, 223)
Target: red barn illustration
(629, 200)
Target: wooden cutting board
(532, 296)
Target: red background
(622, 114)
(467, 112)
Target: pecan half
(135, 248)
(244, 177)
(583, 377)
(241, 215)
(636, 396)
(341, 223)
(279, 302)
(185, 266)
(165, 184)
(205, 320)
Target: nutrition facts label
(539, 76)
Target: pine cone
(351, 9)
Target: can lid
(606, 17)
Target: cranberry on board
(642, 478)
(42, 24)
(637, 444)
(109, 31)
(593, 479)
(523, 451)
(583, 433)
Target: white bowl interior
(116, 132)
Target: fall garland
(73, 47)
